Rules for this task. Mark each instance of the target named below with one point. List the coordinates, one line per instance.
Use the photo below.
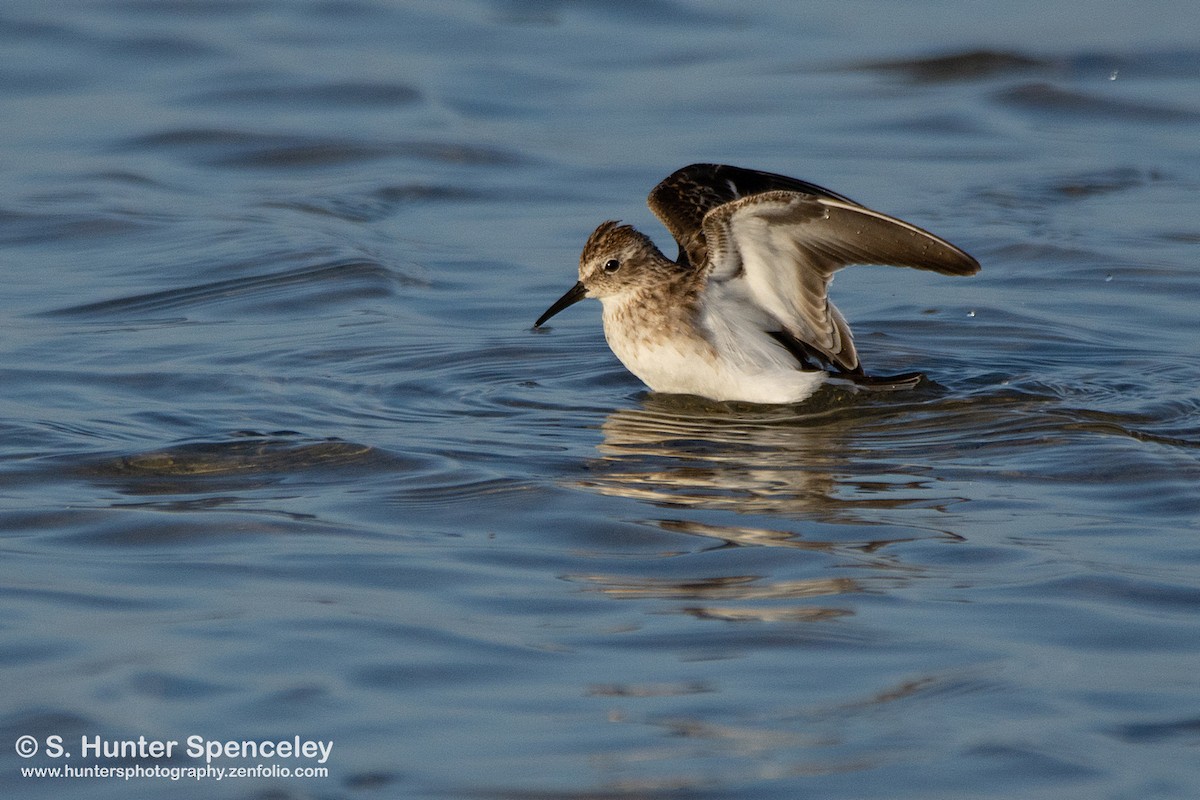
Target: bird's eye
(612, 265)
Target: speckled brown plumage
(743, 312)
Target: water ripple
(328, 95)
(340, 281)
(251, 454)
(1045, 98)
(962, 66)
(224, 147)
(980, 64)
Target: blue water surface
(281, 456)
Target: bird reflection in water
(808, 464)
(777, 477)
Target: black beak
(573, 296)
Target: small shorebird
(743, 311)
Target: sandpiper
(743, 313)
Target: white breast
(723, 357)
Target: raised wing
(683, 198)
(783, 247)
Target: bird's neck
(663, 307)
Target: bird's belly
(690, 365)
